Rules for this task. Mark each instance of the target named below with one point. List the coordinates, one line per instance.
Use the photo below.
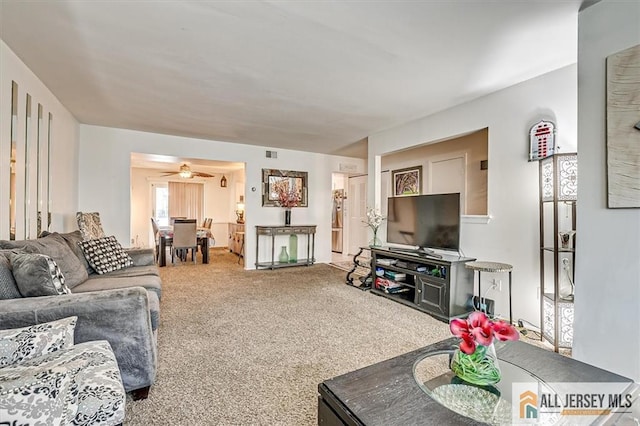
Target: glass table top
(492, 404)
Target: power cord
(527, 332)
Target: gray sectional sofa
(121, 306)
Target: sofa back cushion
(73, 240)
(37, 275)
(8, 286)
(54, 246)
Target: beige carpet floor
(242, 347)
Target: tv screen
(426, 221)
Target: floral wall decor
(284, 188)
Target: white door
(448, 174)
(357, 212)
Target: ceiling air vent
(272, 154)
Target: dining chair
(184, 238)
(156, 237)
(207, 223)
(172, 219)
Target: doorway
(222, 201)
(357, 213)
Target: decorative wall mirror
(43, 215)
(39, 183)
(28, 146)
(272, 179)
(29, 167)
(13, 161)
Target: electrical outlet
(496, 284)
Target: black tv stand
(422, 252)
(440, 286)
(428, 253)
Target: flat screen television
(425, 221)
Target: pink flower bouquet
(478, 329)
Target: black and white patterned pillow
(105, 254)
(37, 275)
(21, 344)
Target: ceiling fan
(186, 173)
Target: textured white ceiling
(310, 75)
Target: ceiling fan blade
(201, 174)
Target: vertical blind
(186, 200)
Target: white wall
(64, 142)
(105, 183)
(512, 235)
(607, 311)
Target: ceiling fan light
(185, 171)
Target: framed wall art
(623, 129)
(274, 181)
(407, 181)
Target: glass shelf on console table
(441, 287)
(275, 231)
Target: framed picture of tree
(407, 181)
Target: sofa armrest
(119, 316)
(142, 256)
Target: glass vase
(375, 242)
(479, 368)
(287, 217)
(284, 256)
(293, 248)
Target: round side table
(482, 266)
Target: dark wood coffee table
(387, 393)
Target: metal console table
(273, 231)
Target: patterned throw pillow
(105, 254)
(37, 275)
(90, 226)
(21, 344)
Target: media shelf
(440, 287)
(558, 183)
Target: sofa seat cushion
(54, 246)
(107, 282)
(132, 271)
(81, 382)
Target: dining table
(165, 235)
